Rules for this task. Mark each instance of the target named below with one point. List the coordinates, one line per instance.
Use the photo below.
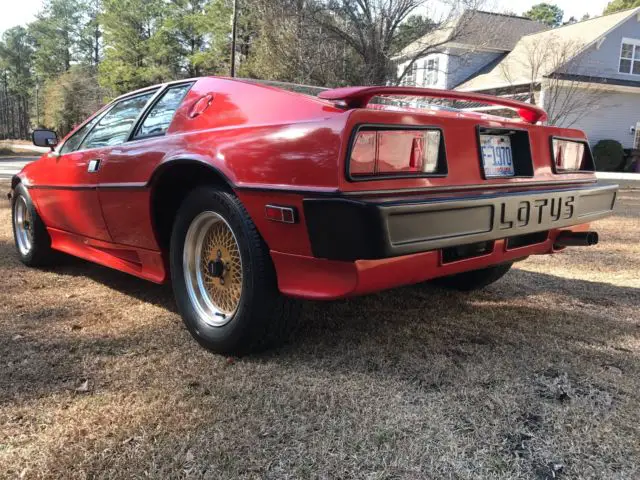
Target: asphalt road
(9, 166)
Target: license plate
(497, 158)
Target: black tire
(474, 279)
(40, 252)
(264, 318)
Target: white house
(586, 75)
(461, 48)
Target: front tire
(223, 278)
(30, 235)
(474, 279)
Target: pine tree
(16, 82)
(132, 56)
(195, 36)
(618, 5)
(55, 35)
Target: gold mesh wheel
(224, 288)
(213, 268)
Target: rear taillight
(570, 156)
(397, 152)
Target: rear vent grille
(526, 240)
(462, 252)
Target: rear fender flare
(188, 160)
(165, 196)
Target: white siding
(603, 60)
(422, 71)
(464, 63)
(455, 66)
(610, 118)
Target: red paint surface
(262, 137)
(319, 279)
(360, 96)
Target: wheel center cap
(215, 268)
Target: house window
(410, 76)
(431, 72)
(630, 57)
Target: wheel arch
(169, 185)
(15, 180)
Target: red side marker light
(277, 213)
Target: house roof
(539, 55)
(478, 30)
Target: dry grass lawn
(537, 376)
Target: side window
(73, 142)
(159, 117)
(114, 126)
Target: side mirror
(44, 138)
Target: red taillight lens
(363, 154)
(568, 156)
(387, 152)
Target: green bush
(609, 155)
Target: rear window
(160, 115)
(114, 127)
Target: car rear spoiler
(359, 97)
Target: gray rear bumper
(346, 229)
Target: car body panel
(63, 181)
(320, 279)
(272, 146)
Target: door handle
(94, 165)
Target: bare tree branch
(547, 64)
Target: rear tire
(30, 235)
(474, 279)
(223, 278)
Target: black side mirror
(44, 138)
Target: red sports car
(248, 196)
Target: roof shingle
(478, 30)
(538, 55)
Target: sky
(17, 12)
(20, 12)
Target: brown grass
(537, 375)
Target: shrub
(632, 161)
(609, 155)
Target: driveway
(9, 166)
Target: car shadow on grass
(418, 332)
(484, 370)
(38, 364)
(140, 289)
(434, 333)
(493, 375)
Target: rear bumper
(349, 230)
(361, 247)
(321, 279)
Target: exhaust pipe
(576, 239)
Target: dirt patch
(535, 377)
